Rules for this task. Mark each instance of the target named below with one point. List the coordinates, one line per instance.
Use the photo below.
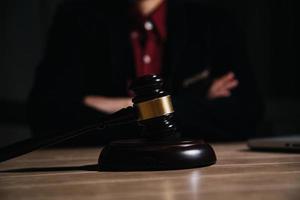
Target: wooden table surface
(70, 174)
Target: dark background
(271, 37)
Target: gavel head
(155, 109)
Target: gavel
(160, 146)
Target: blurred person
(96, 48)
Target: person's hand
(222, 86)
(107, 104)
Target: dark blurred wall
(23, 27)
(271, 35)
(283, 49)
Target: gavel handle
(122, 116)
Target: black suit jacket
(89, 53)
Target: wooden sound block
(142, 155)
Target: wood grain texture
(70, 174)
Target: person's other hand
(107, 104)
(222, 86)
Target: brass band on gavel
(155, 108)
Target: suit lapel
(176, 40)
(120, 48)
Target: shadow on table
(55, 169)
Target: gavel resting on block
(160, 147)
